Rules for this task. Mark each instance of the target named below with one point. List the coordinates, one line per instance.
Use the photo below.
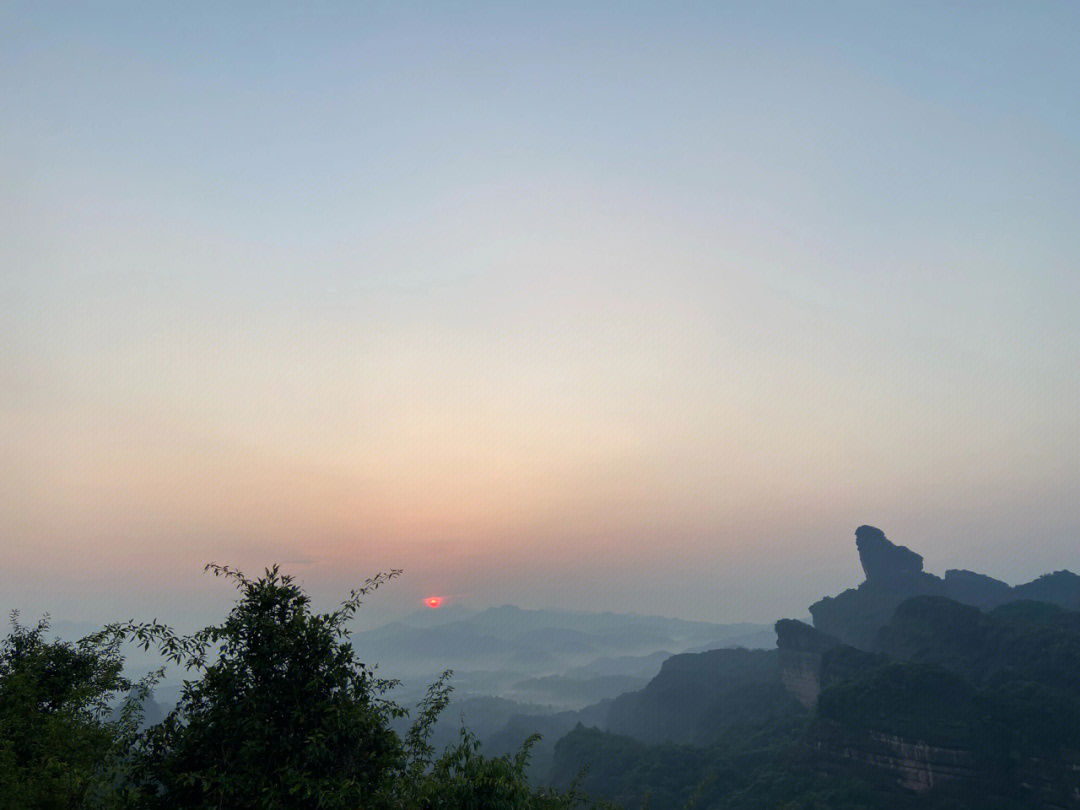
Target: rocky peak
(882, 559)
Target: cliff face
(911, 764)
(907, 763)
(800, 672)
(801, 648)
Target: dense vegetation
(279, 713)
(61, 745)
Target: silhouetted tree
(284, 715)
(63, 743)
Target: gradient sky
(625, 306)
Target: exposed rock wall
(914, 765)
(910, 764)
(800, 673)
(801, 648)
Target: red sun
(433, 601)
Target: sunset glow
(584, 304)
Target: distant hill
(895, 573)
(714, 697)
(537, 643)
(635, 666)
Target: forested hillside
(940, 704)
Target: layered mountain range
(910, 690)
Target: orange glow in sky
(648, 317)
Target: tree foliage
(62, 745)
(279, 712)
(284, 715)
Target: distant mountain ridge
(895, 573)
(538, 643)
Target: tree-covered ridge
(1023, 640)
(729, 697)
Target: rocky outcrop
(801, 648)
(882, 559)
(906, 763)
(895, 573)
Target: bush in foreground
(281, 715)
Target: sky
(608, 306)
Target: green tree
(283, 715)
(462, 778)
(63, 744)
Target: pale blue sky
(498, 292)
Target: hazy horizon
(638, 307)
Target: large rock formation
(883, 560)
(917, 680)
(801, 648)
(908, 763)
(895, 573)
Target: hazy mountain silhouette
(910, 691)
(895, 573)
